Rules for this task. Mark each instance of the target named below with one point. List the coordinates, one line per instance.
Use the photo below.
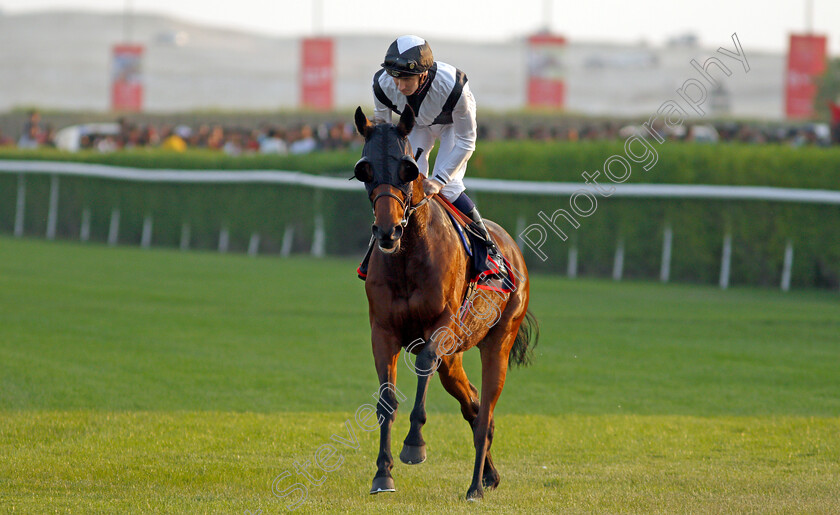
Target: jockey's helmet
(408, 55)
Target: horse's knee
(387, 406)
(469, 416)
(426, 363)
(470, 412)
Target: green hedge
(679, 163)
(759, 229)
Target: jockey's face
(408, 85)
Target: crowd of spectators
(33, 135)
(305, 138)
(711, 132)
(232, 140)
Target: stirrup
(494, 253)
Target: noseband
(406, 206)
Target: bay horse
(415, 285)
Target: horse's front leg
(386, 348)
(414, 447)
(438, 343)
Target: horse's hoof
(382, 484)
(491, 480)
(475, 494)
(413, 454)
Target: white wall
(62, 61)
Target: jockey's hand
(430, 187)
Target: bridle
(406, 206)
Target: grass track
(157, 381)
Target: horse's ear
(406, 121)
(363, 125)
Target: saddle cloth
(484, 271)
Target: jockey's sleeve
(464, 126)
(380, 112)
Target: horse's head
(388, 169)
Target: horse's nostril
(391, 235)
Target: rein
(408, 209)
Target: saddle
(485, 273)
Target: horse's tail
(522, 353)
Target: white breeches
(424, 137)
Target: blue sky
(760, 24)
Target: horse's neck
(418, 231)
(418, 238)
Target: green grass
(167, 382)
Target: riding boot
(492, 249)
(362, 270)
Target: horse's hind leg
(490, 478)
(494, 361)
(454, 379)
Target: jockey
(444, 106)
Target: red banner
(546, 85)
(806, 61)
(835, 112)
(316, 78)
(127, 78)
